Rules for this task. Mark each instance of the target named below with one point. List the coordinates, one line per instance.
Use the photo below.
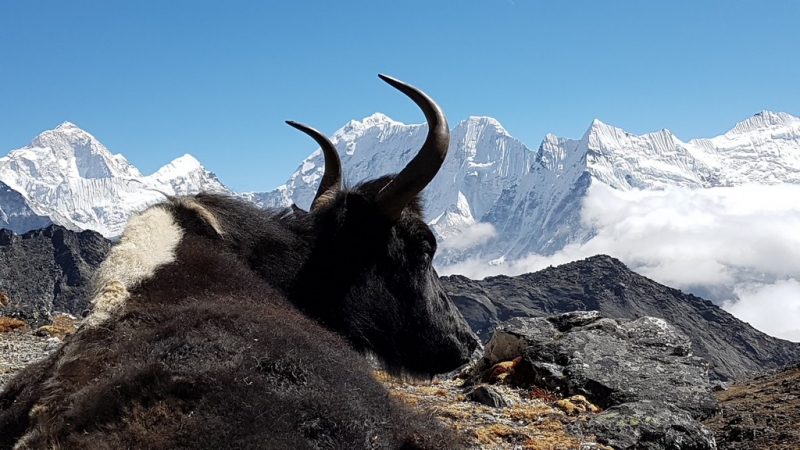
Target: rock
(649, 425)
(52, 344)
(48, 270)
(610, 361)
(734, 349)
(488, 396)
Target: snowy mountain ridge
(68, 176)
(494, 198)
(533, 199)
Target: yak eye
(429, 244)
(432, 245)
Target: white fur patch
(148, 242)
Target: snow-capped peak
(67, 175)
(69, 151)
(182, 164)
(531, 198)
(377, 119)
(484, 121)
(357, 127)
(68, 126)
(764, 120)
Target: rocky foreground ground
(485, 404)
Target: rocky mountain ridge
(48, 270)
(601, 283)
(16, 215)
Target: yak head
(369, 275)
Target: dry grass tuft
(62, 326)
(500, 371)
(577, 404)
(495, 434)
(543, 394)
(531, 421)
(529, 412)
(10, 324)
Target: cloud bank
(737, 246)
(475, 235)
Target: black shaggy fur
(224, 349)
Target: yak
(218, 324)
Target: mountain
(715, 217)
(69, 177)
(763, 149)
(496, 199)
(482, 161)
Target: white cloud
(472, 236)
(774, 307)
(739, 245)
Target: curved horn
(393, 198)
(332, 178)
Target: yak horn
(332, 178)
(393, 198)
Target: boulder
(488, 396)
(649, 425)
(610, 361)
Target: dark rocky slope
(601, 283)
(48, 270)
(760, 413)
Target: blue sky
(154, 80)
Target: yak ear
(332, 178)
(203, 213)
